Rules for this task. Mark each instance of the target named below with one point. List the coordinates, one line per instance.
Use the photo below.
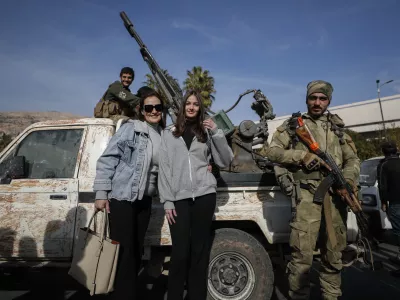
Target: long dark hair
(145, 92)
(198, 128)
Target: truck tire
(239, 268)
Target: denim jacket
(121, 171)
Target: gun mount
(249, 134)
(241, 138)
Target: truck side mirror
(12, 168)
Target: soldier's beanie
(320, 86)
(389, 147)
(127, 70)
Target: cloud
(215, 40)
(239, 33)
(382, 74)
(252, 38)
(241, 30)
(323, 37)
(320, 38)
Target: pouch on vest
(98, 109)
(112, 108)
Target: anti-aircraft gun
(242, 138)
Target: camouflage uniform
(117, 103)
(308, 222)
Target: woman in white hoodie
(188, 190)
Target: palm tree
(202, 82)
(152, 83)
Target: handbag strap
(90, 223)
(105, 232)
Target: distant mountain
(12, 123)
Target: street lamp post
(380, 104)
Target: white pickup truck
(46, 195)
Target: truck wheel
(239, 268)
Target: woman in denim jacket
(126, 181)
(188, 190)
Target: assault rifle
(169, 87)
(334, 179)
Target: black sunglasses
(313, 98)
(149, 108)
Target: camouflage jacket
(117, 101)
(116, 91)
(282, 151)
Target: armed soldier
(118, 101)
(300, 177)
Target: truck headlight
(369, 200)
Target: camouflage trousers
(308, 227)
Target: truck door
(37, 212)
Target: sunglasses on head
(149, 108)
(313, 98)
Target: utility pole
(378, 87)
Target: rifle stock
(305, 135)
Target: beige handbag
(95, 259)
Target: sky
(62, 55)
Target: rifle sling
(322, 196)
(327, 206)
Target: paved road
(358, 283)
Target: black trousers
(191, 244)
(128, 226)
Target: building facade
(363, 117)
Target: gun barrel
(129, 27)
(171, 90)
(125, 18)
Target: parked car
(371, 202)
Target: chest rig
(336, 126)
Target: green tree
(366, 148)
(371, 146)
(152, 83)
(201, 81)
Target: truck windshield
(368, 172)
